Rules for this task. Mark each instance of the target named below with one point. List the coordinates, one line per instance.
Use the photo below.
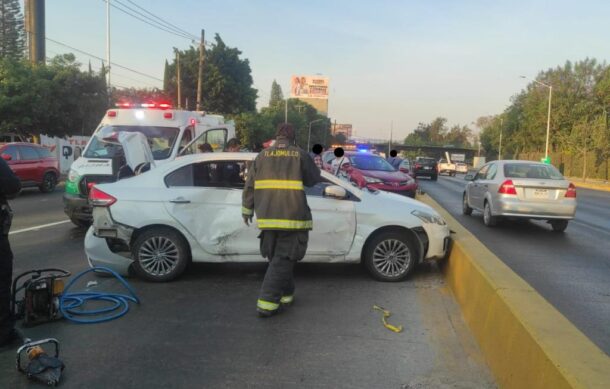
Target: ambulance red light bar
(149, 105)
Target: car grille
(82, 185)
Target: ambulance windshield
(160, 139)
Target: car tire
(160, 254)
(434, 178)
(80, 223)
(559, 225)
(390, 256)
(49, 182)
(488, 218)
(466, 210)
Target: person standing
(317, 157)
(274, 190)
(340, 160)
(394, 159)
(9, 187)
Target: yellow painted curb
(589, 185)
(526, 342)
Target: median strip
(39, 227)
(526, 342)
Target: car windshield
(160, 139)
(371, 162)
(532, 170)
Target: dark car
(33, 164)
(371, 171)
(425, 167)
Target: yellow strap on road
(247, 211)
(285, 224)
(279, 184)
(387, 314)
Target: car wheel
(49, 182)
(466, 210)
(488, 218)
(81, 223)
(160, 254)
(559, 225)
(390, 257)
(434, 178)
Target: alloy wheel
(391, 257)
(158, 256)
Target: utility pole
(178, 78)
(500, 148)
(390, 142)
(108, 46)
(286, 111)
(35, 30)
(200, 77)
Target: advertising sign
(345, 129)
(458, 157)
(310, 87)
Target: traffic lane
(202, 330)
(33, 208)
(571, 270)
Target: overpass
(437, 152)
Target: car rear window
(12, 151)
(426, 160)
(44, 153)
(532, 170)
(28, 153)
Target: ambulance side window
(187, 137)
(217, 138)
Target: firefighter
(9, 187)
(275, 191)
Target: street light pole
(548, 118)
(309, 136)
(500, 148)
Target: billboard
(345, 129)
(309, 87)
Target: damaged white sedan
(155, 223)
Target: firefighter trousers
(283, 249)
(6, 277)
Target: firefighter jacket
(275, 190)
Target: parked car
(461, 167)
(425, 167)
(406, 167)
(520, 189)
(155, 223)
(33, 164)
(370, 171)
(446, 167)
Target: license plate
(541, 194)
(427, 168)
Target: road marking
(36, 228)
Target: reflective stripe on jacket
(275, 188)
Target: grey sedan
(520, 189)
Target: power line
(163, 21)
(103, 60)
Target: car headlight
(73, 175)
(371, 180)
(429, 218)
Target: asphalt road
(202, 331)
(571, 270)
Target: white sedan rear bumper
(99, 254)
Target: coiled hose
(70, 302)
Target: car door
(206, 200)
(475, 188)
(334, 222)
(14, 163)
(29, 164)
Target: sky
(390, 63)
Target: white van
(169, 133)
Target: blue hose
(69, 302)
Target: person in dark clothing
(394, 159)
(317, 155)
(275, 191)
(9, 187)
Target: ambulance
(169, 133)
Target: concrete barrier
(526, 342)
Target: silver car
(520, 189)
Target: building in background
(345, 129)
(311, 89)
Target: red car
(373, 172)
(33, 164)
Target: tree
(437, 134)
(277, 97)
(227, 80)
(12, 35)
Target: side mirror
(469, 177)
(335, 192)
(6, 157)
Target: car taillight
(111, 114)
(571, 192)
(417, 166)
(508, 188)
(100, 199)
